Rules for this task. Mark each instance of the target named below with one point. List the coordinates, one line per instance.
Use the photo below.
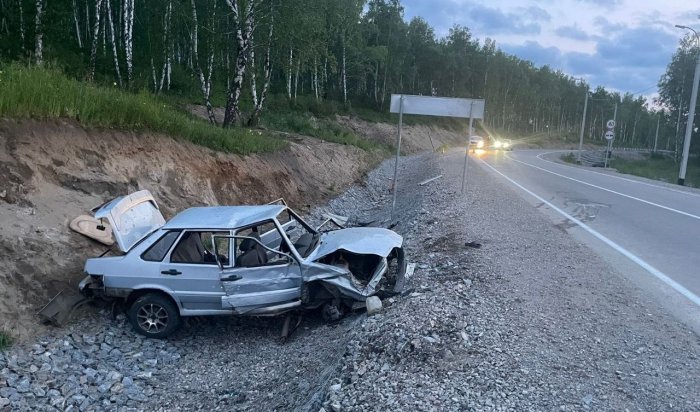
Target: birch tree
(39, 33)
(95, 39)
(128, 20)
(204, 81)
(77, 25)
(114, 42)
(243, 26)
(267, 70)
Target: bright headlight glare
(498, 144)
(480, 144)
(505, 144)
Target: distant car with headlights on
(476, 142)
(502, 144)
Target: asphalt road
(648, 230)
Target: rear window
(158, 250)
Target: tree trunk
(253, 85)
(95, 39)
(243, 34)
(296, 78)
(315, 79)
(345, 78)
(128, 12)
(167, 44)
(204, 83)
(77, 25)
(253, 121)
(21, 24)
(114, 42)
(289, 75)
(39, 31)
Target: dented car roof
(222, 217)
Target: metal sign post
(394, 184)
(469, 141)
(430, 106)
(609, 136)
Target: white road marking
(613, 176)
(609, 190)
(646, 266)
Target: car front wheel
(154, 315)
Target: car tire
(154, 315)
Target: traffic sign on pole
(609, 135)
(610, 124)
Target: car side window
(199, 247)
(250, 253)
(158, 250)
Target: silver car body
(221, 287)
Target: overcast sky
(623, 45)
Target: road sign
(609, 135)
(611, 124)
(437, 106)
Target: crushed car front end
(351, 265)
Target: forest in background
(325, 57)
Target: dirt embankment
(52, 171)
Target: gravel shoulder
(531, 320)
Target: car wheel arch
(137, 293)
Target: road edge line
(646, 266)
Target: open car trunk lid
(131, 217)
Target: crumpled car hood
(359, 240)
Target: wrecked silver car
(236, 260)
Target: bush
(569, 158)
(5, 340)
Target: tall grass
(47, 93)
(659, 168)
(320, 128)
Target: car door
(191, 271)
(272, 280)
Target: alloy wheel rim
(152, 318)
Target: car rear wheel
(154, 315)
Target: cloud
(535, 52)
(631, 59)
(486, 20)
(572, 32)
(489, 21)
(607, 4)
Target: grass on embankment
(659, 168)
(47, 93)
(322, 128)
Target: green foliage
(658, 168)
(320, 128)
(5, 340)
(46, 93)
(336, 57)
(569, 158)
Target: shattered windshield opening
(302, 237)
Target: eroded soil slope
(51, 172)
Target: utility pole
(656, 139)
(691, 113)
(583, 125)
